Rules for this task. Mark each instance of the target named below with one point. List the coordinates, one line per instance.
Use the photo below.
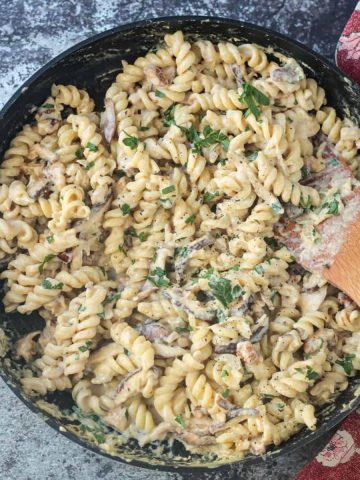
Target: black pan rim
(337, 416)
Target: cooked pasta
(145, 237)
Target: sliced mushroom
(64, 257)
(246, 351)
(108, 120)
(159, 77)
(183, 258)
(38, 187)
(289, 73)
(153, 330)
(238, 75)
(228, 348)
(240, 308)
(188, 305)
(89, 225)
(242, 412)
(262, 329)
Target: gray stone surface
(31, 33)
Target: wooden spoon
(336, 254)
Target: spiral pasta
(145, 236)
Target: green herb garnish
(185, 328)
(50, 238)
(131, 141)
(144, 129)
(85, 347)
(179, 419)
(226, 393)
(142, 236)
(251, 96)
(112, 298)
(346, 363)
(48, 105)
(92, 147)
(159, 94)
(208, 196)
(49, 286)
(125, 208)
(190, 220)
(259, 269)
(89, 165)
(251, 155)
(167, 190)
(224, 373)
(169, 116)
(127, 353)
(79, 153)
(158, 278)
(224, 291)
(311, 374)
(276, 206)
(46, 260)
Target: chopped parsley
(305, 172)
(142, 236)
(131, 232)
(251, 155)
(222, 161)
(190, 220)
(46, 260)
(252, 96)
(276, 206)
(122, 250)
(143, 129)
(208, 196)
(184, 328)
(181, 251)
(50, 238)
(89, 165)
(131, 141)
(179, 419)
(49, 286)
(92, 147)
(82, 309)
(159, 94)
(346, 363)
(226, 393)
(224, 291)
(305, 203)
(48, 105)
(272, 242)
(235, 268)
(332, 205)
(158, 278)
(209, 137)
(259, 269)
(112, 298)
(125, 208)
(127, 353)
(221, 315)
(166, 203)
(85, 347)
(169, 116)
(167, 190)
(334, 162)
(272, 295)
(310, 373)
(224, 373)
(79, 153)
(101, 315)
(266, 396)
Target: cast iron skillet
(93, 64)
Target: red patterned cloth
(340, 459)
(348, 49)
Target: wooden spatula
(336, 254)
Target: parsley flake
(167, 190)
(252, 96)
(190, 220)
(346, 363)
(50, 238)
(224, 291)
(85, 347)
(158, 278)
(92, 147)
(79, 153)
(208, 196)
(131, 141)
(46, 260)
(179, 419)
(226, 393)
(46, 283)
(89, 165)
(159, 94)
(125, 208)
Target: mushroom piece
(89, 225)
(159, 77)
(241, 307)
(262, 329)
(188, 305)
(129, 386)
(289, 73)
(108, 120)
(238, 75)
(228, 348)
(38, 187)
(153, 330)
(246, 351)
(242, 412)
(186, 253)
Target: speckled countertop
(31, 33)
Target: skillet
(92, 65)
